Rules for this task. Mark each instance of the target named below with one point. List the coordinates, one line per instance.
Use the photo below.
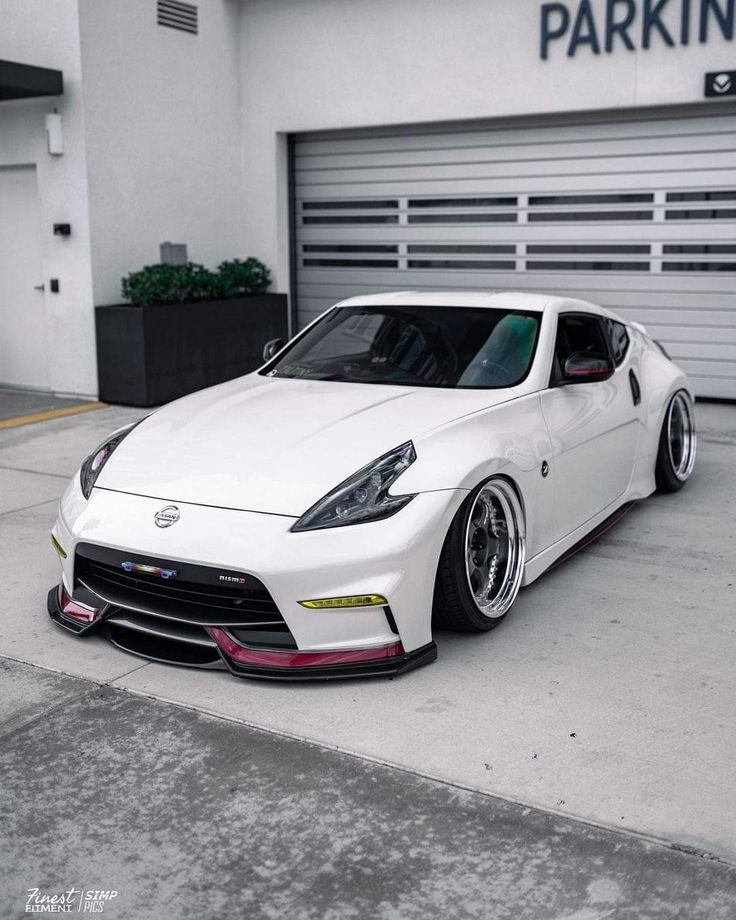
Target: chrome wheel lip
(681, 410)
(515, 548)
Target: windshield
(463, 347)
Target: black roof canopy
(24, 81)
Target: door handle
(39, 287)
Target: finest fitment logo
(71, 901)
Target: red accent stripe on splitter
(74, 611)
(268, 658)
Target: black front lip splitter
(384, 667)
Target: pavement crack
(4, 735)
(111, 682)
(22, 469)
(49, 501)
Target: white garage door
(638, 214)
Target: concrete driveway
(607, 696)
(181, 815)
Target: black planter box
(150, 355)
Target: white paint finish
(23, 358)
(62, 182)
(244, 459)
(294, 440)
(284, 443)
(388, 557)
(629, 645)
(163, 145)
(594, 431)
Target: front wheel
(482, 560)
(677, 442)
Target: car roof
(516, 300)
(505, 300)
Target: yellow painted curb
(49, 414)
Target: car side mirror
(584, 367)
(271, 348)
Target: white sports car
(408, 459)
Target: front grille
(196, 594)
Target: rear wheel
(482, 560)
(677, 443)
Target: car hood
(277, 445)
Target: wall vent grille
(176, 15)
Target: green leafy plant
(237, 277)
(159, 284)
(165, 284)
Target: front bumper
(330, 669)
(396, 558)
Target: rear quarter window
(619, 339)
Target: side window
(577, 332)
(619, 339)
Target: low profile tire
(482, 560)
(677, 443)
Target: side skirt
(562, 550)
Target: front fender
(509, 440)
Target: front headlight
(92, 466)
(364, 496)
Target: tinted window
(415, 346)
(578, 332)
(619, 338)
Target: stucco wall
(323, 64)
(183, 138)
(163, 136)
(34, 33)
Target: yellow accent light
(58, 547)
(355, 600)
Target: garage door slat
(606, 182)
